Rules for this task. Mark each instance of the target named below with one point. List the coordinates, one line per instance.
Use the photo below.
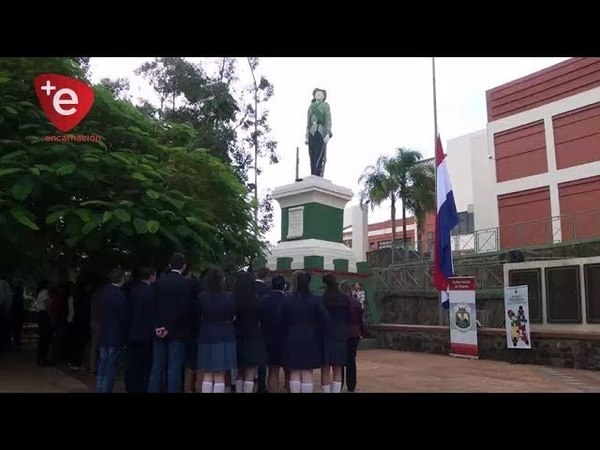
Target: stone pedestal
(312, 216)
(312, 224)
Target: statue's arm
(307, 124)
(327, 119)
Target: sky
(377, 105)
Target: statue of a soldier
(318, 131)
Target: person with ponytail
(356, 329)
(251, 348)
(217, 353)
(335, 343)
(304, 322)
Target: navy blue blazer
(114, 316)
(215, 313)
(175, 298)
(142, 313)
(271, 319)
(261, 288)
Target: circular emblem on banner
(462, 318)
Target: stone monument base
(312, 216)
(312, 227)
(304, 253)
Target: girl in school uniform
(217, 353)
(335, 349)
(304, 322)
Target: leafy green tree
(132, 198)
(118, 87)
(233, 126)
(256, 122)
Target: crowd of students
(174, 333)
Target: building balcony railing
(563, 228)
(535, 233)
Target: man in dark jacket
(141, 332)
(175, 298)
(114, 314)
(17, 316)
(262, 290)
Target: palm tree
(412, 184)
(421, 195)
(379, 184)
(403, 176)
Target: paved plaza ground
(381, 371)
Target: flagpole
(435, 123)
(435, 130)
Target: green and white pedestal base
(312, 223)
(312, 218)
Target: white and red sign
(463, 317)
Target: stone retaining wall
(559, 349)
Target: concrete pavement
(382, 371)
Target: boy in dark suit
(262, 290)
(175, 299)
(114, 314)
(141, 332)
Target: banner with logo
(516, 317)
(463, 317)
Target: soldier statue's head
(319, 94)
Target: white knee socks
(307, 388)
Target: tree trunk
(404, 223)
(255, 142)
(393, 199)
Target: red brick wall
(577, 136)
(524, 218)
(520, 152)
(580, 208)
(562, 80)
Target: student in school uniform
(304, 321)
(217, 351)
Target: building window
(533, 279)
(466, 223)
(563, 294)
(348, 243)
(385, 244)
(591, 273)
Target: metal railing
(420, 276)
(563, 228)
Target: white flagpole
(435, 123)
(442, 295)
